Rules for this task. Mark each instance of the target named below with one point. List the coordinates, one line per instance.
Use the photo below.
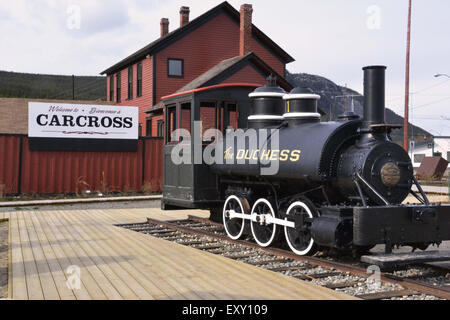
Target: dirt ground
(4, 242)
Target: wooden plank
(17, 266)
(34, 287)
(9, 262)
(87, 260)
(47, 283)
(61, 257)
(325, 274)
(89, 281)
(285, 268)
(149, 279)
(262, 263)
(120, 272)
(398, 259)
(159, 259)
(113, 245)
(212, 278)
(341, 285)
(387, 294)
(53, 262)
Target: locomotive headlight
(390, 174)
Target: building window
(118, 83)
(208, 117)
(231, 116)
(185, 117)
(139, 79)
(130, 83)
(111, 88)
(148, 127)
(160, 128)
(175, 68)
(419, 157)
(171, 121)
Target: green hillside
(43, 86)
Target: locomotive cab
(187, 181)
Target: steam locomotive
(337, 184)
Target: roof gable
(178, 33)
(227, 68)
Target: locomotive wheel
(264, 234)
(234, 227)
(300, 240)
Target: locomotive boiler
(337, 184)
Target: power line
(432, 86)
(397, 97)
(430, 103)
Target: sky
(330, 38)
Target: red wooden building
(220, 46)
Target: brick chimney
(245, 29)
(184, 16)
(164, 27)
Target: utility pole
(406, 120)
(73, 87)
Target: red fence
(53, 172)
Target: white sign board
(61, 120)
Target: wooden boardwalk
(49, 248)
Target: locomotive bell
(301, 106)
(267, 105)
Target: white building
(440, 146)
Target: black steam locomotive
(335, 184)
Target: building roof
(223, 70)
(165, 41)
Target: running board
(387, 261)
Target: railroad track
(351, 278)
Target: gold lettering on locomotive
(265, 155)
(228, 154)
(295, 155)
(240, 154)
(271, 155)
(284, 155)
(274, 156)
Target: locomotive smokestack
(374, 84)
